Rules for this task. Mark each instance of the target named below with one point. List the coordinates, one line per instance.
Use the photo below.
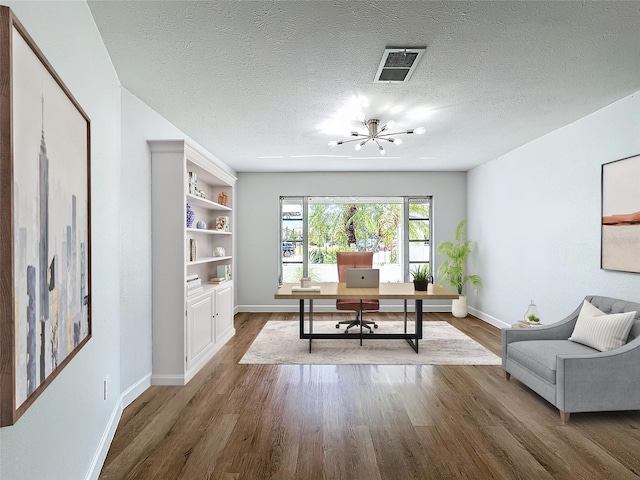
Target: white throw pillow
(602, 332)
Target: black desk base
(411, 338)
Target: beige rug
(441, 344)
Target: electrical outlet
(105, 389)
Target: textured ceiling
(262, 85)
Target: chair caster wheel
(337, 325)
(375, 326)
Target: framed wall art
(45, 241)
(621, 215)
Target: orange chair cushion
(354, 260)
(349, 304)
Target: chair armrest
(599, 381)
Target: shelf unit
(189, 330)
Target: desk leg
(405, 315)
(361, 320)
(418, 328)
(310, 322)
(418, 322)
(301, 317)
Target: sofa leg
(564, 416)
(507, 375)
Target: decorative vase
(531, 311)
(201, 225)
(459, 307)
(420, 285)
(190, 216)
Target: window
(313, 229)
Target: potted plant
(421, 277)
(452, 269)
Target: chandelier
(376, 135)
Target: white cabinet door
(200, 327)
(224, 311)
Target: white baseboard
(489, 319)
(105, 442)
(135, 390)
(168, 380)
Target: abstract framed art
(45, 241)
(620, 234)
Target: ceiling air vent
(397, 64)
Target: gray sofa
(571, 376)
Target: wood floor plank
(365, 422)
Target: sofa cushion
(539, 356)
(602, 332)
(614, 305)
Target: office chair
(355, 260)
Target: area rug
(278, 343)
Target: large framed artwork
(45, 242)
(621, 215)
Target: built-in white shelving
(189, 329)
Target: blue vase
(190, 216)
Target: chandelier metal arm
(366, 138)
(374, 134)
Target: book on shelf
(192, 277)
(193, 182)
(193, 284)
(527, 324)
(192, 250)
(194, 291)
(218, 280)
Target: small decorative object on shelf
(193, 182)
(222, 223)
(201, 225)
(222, 199)
(532, 315)
(192, 250)
(193, 185)
(218, 251)
(224, 271)
(305, 282)
(190, 216)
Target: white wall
(139, 124)
(535, 217)
(257, 224)
(62, 434)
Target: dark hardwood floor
(363, 422)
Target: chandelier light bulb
(360, 145)
(360, 116)
(420, 130)
(389, 124)
(382, 152)
(333, 143)
(397, 141)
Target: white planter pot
(459, 307)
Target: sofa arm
(600, 381)
(557, 331)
